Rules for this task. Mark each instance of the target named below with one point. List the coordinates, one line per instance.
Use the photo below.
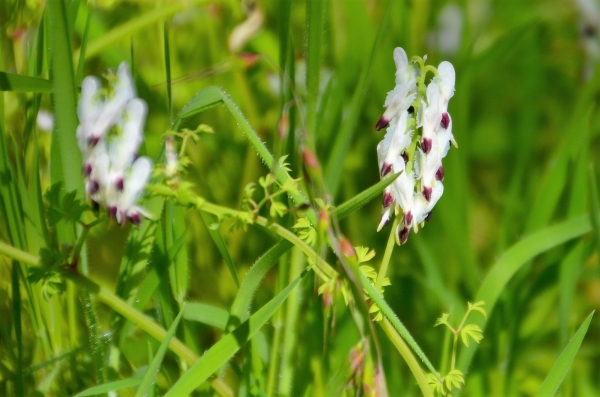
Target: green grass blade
(213, 231)
(65, 153)
(224, 349)
(339, 151)
(595, 200)
(562, 365)
(84, 42)
(167, 55)
(356, 202)
(109, 387)
(19, 83)
(512, 260)
(16, 313)
(154, 366)
(315, 28)
(206, 314)
(178, 266)
(240, 308)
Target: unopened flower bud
(347, 248)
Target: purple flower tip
(388, 199)
(445, 121)
(119, 184)
(428, 216)
(385, 169)
(439, 174)
(405, 157)
(427, 193)
(94, 186)
(87, 169)
(403, 235)
(382, 123)
(93, 140)
(112, 211)
(135, 218)
(426, 145)
(408, 218)
(387, 222)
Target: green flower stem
(408, 357)
(104, 295)
(387, 255)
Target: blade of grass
(562, 365)
(154, 366)
(511, 261)
(315, 28)
(225, 348)
(240, 308)
(206, 314)
(84, 42)
(110, 387)
(16, 313)
(19, 83)
(339, 151)
(213, 231)
(364, 197)
(65, 153)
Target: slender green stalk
(408, 357)
(387, 255)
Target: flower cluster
(419, 133)
(109, 136)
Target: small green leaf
(478, 306)
(277, 209)
(454, 379)
(19, 83)
(473, 331)
(442, 320)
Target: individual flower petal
(134, 183)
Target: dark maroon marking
(403, 235)
(445, 121)
(411, 109)
(388, 199)
(382, 123)
(112, 211)
(427, 193)
(387, 222)
(135, 218)
(439, 174)
(119, 184)
(93, 140)
(426, 144)
(386, 168)
(428, 216)
(589, 30)
(408, 218)
(87, 169)
(405, 157)
(94, 187)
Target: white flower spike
(109, 136)
(418, 137)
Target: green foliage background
(524, 116)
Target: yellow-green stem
(387, 255)
(408, 357)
